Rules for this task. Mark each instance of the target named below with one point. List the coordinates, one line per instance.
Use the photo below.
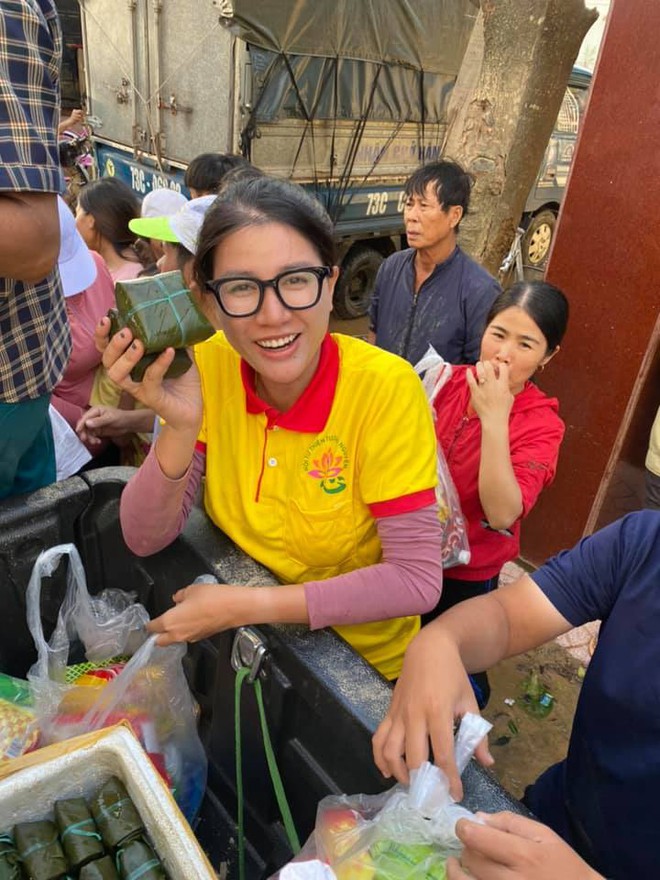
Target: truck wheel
(538, 238)
(356, 282)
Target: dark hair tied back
(545, 304)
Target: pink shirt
(84, 310)
(127, 271)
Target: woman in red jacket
(500, 434)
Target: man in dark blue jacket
(432, 293)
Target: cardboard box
(78, 767)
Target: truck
(322, 700)
(542, 206)
(347, 99)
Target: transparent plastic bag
(149, 690)
(407, 833)
(434, 372)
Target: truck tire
(538, 238)
(356, 282)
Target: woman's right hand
(177, 401)
(432, 692)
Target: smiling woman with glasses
(317, 448)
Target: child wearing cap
(177, 231)
(157, 203)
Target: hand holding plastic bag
(406, 833)
(434, 372)
(149, 690)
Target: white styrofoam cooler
(78, 768)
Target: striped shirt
(34, 335)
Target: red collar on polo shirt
(310, 412)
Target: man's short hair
(206, 171)
(451, 182)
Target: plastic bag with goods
(407, 833)
(126, 676)
(19, 731)
(434, 372)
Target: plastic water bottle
(536, 699)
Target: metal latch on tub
(248, 650)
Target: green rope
(276, 779)
(278, 786)
(240, 676)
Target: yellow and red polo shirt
(299, 491)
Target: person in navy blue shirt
(432, 293)
(603, 798)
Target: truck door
(160, 76)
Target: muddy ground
(524, 745)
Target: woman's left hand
(517, 848)
(491, 396)
(200, 611)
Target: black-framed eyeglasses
(296, 289)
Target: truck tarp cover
(385, 60)
(428, 35)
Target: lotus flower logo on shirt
(327, 468)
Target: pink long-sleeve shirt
(84, 310)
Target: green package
(15, 690)
(115, 814)
(160, 311)
(40, 850)
(407, 861)
(101, 869)
(137, 859)
(79, 835)
(10, 863)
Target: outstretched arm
(433, 689)
(406, 581)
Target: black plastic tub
(323, 701)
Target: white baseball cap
(182, 226)
(162, 202)
(76, 265)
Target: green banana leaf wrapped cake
(79, 835)
(115, 814)
(39, 848)
(10, 863)
(137, 859)
(160, 311)
(100, 869)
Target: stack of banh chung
(100, 839)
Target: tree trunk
(500, 133)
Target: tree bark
(500, 133)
